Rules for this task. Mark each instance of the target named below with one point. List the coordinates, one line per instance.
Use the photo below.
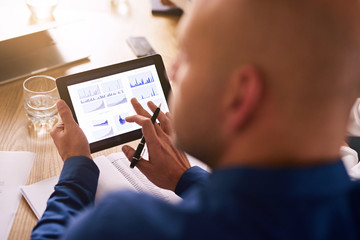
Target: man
(263, 92)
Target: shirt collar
(327, 179)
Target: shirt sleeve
(193, 176)
(75, 190)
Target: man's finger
(129, 153)
(141, 111)
(139, 108)
(163, 119)
(148, 129)
(158, 129)
(145, 167)
(168, 3)
(56, 129)
(65, 113)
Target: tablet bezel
(65, 81)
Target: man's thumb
(128, 151)
(65, 113)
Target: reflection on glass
(42, 9)
(120, 7)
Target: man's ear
(245, 90)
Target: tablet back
(40, 51)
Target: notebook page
(139, 180)
(110, 179)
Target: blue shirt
(235, 203)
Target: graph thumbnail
(93, 106)
(116, 100)
(145, 92)
(100, 123)
(112, 85)
(89, 91)
(141, 79)
(103, 133)
(121, 120)
(120, 123)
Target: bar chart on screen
(100, 123)
(120, 123)
(145, 92)
(93, 106)
(103, 132)
(89, 91)
(141, 79)
(112, 85)
(116, 98)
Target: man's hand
(68, 137)
(168, 3)
(166, 163)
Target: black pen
(141, 145)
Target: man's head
(254, 72)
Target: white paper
(110, 178)
(38, 193)
(138, 179)
(15, 168)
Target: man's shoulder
(353, 203)
(355, 191)
(131, 200)
(127, 214)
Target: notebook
(40, 51)
(115, 174)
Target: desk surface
(110, 26)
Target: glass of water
(42, 9)
(40, 96)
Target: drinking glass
(42, 9)
(40, 96)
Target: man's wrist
(193, 176)
(80, 170)
(66, 157)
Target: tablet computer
(100, 99)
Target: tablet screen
(101, 104)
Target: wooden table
(110, 26)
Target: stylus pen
(141, 145)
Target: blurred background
(105, 24)
(101, 28)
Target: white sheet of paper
(15, 168)
(38, 193)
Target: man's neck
(281, 149)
